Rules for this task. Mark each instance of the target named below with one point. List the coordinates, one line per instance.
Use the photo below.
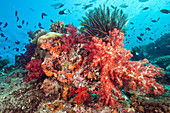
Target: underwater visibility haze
(85, 56)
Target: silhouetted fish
(146, 8)
(39, 24)
(87, 6)
(139, 38)
(41, 27)
(43, 14)
(150, 38)
(147, 29)
(165, 11)
(6, 38)
(26, 23)
(17, 42)
(69, 11)
(19, 26)
(51, 21)
(131, 23)
(16, 13)
(141, 34)
(62, 12)
(17, 18)
(31, 9)
(2, 34)
(123, 6)
(57, 6)
(6, 24)
(77, 4)
(112, 6)
(22, 22)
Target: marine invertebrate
(118, 71)
(50, 87)
(100, 21)
(35, 70)
(58, 27)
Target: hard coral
(50, 87)
(58, 27)
(35, 69)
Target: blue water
(30, 11)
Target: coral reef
(83, 75)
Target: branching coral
(100, 21)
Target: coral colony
(90, 71)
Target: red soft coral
(35, 70)
(82, 95)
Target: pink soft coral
(117, 71)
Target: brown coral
(58, 27)
(50, 87)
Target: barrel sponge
(50, 35)
(162, 59)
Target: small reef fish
(139, 38)
(87, 6)
(77, 4)
(26, 23)
(16, 13)
(6, 24)
(148, 29)
(31, 9)
(51, 21)
(146, 8)
(57, 6)
(123, 6)
(69, 11)
(141, 34)
(17, 42)
(19, 26)
(150, 38)
(43, 14)
(22, 22)
(155, 20)
(164, 11)
(6, 38)
(39, 24)
(17, 18)
(112, 6)
(41, 27)
(2, 35)
(62, 12)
